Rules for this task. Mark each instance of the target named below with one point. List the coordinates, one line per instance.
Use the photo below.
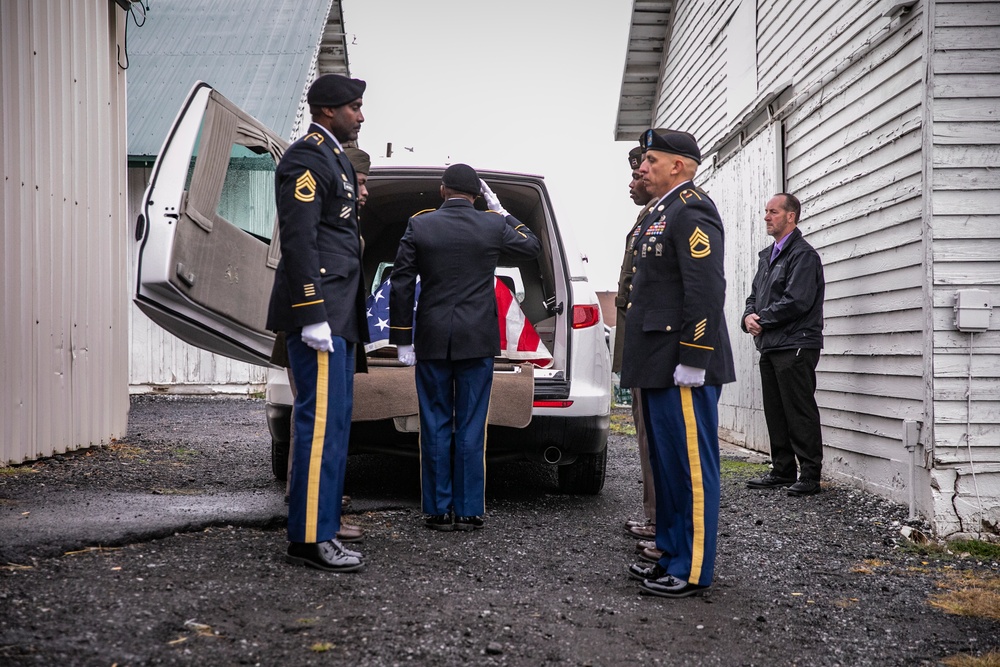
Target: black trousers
(788, 384)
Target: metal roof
(261, 54)
(647, 41)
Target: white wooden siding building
(266, 68)
(882, 118)
(64, 359)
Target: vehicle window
(247, 198)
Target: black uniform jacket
(319, 276)
(624, 290)
(788, 296)
(675, 315)
(454, 250)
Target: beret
(360, 160)
(462, 178)
(334, 90)
(671, 141)
(635, 157)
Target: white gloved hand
(406, 355)
(491, 199)
(318, 337)
(689, 376)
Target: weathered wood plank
(968, 250)
(968, 109)
(884, 365)
(966, 133)
(966, 274)
(965, 85)
(966, 14)
(897, 344)
(828, 210)
(873, 264)
(870, 406)
(877, 171)
(898, 236)
(887, 283)
(950, 38)
(885, 386)
(944, 298)
(902, 213)
(952, 360)
(956, 157)
(870, 445)
(955, 389)
(899, 299)
(984, 456)
(956, 412)
(951, 202)
(874, 323)
(966, 62)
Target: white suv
(206, 262)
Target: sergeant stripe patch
(305, 187)
(699, 329)
(699, 244)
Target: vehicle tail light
(585, 316)
(552, 404)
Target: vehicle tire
(585, 476)
(279, 460)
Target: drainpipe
(911, 435)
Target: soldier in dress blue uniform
(677, 352)
(454, 250)
(318, 300)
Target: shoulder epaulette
(489, 210)
(314, 137)
(426, 210)
(689, 194)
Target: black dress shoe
(805, 487)
(439, 522)
(670, 586)
(644, 572)
(770, 481)
(330, 556)
(468, 522)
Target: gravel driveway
(823, 580)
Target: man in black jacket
(784, 314)
(455, 337)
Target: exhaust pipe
(552, 455)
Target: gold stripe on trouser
(489, 404)
(697, 487)
(316, 448)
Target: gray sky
(519, 85)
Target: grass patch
(185, 452)
(991, 659)
(736, 469)
(976, 548)
(321, 647)
(125, 451)
(621, 424)
(868, 566)
(968, 594)
(934, 550)
(11, 471)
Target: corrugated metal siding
(258, 53)
(966, 254)
(64, 357)
(853, 157)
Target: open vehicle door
(207, 233)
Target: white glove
(318, 337)
(406, 355)
(492, 201)
(689, 376)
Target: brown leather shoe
(645, 532)
(350, 533)
(645, 544)
(650, 555)
(345, 502)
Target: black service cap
(334, 90)
(462, 178)
(671, 141)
